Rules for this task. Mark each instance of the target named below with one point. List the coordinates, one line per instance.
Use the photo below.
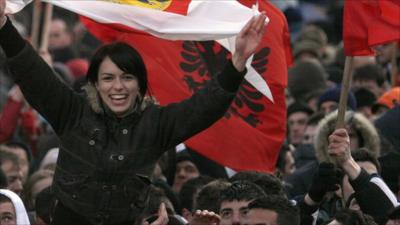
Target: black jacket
(103, 160)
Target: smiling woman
(112, 137)
(120, 77)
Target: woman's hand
(248, 40)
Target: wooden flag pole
(46, 27)
(344, 94)
(393, 62)
(35, 23)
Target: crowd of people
(80, 143)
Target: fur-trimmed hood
(356, 120)
(97, 106)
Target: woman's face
(117, 89)
(7, 214)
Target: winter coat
(367, 131)
(104, 161)
(301, 180)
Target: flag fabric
(251, 133)
(14, 6)
(168, 19)
(369, 23)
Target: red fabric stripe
(179, 7)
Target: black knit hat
(205, 165)
(299, 107)
(334, 95)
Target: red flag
(369, 23)
(250, 135)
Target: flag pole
(393, 63)
(35, 23)
(46, 27)
(344, 94)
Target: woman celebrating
(112, 137)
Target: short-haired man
(235, 199)
(271, 210)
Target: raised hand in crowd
(205, 217)
(339, 150)
(248, 40)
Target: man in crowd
(271, 210)
(235, 199)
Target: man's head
(188, 193)
(297, 116)
(270, 184)
(370, 77)
(271, 210)
(24, 156)
(190, 189)
(235, 199)
(60, 34)
(329, 100)
(10, 165)
(209, 195)
(186, 169)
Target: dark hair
(241, 190)
(4, 198)
(288, 214)
(353, 217)
(281, 161)
(190, 188)
(370, 72)
(209, 195)
(363, 155)
(3, 179)
(23, 146)
(125, 57)
(8, 156)
(270, 184)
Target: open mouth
(119, 98)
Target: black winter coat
(104, 161)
